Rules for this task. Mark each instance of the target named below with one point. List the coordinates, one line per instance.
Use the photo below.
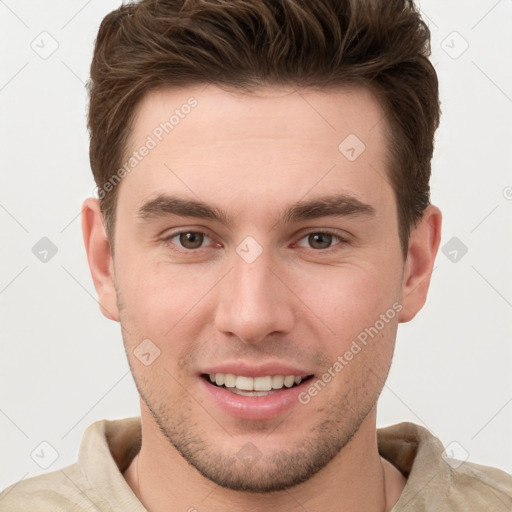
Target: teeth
(229, 380)
(244, 383)
(289, 381)
(277, 381)
(256, 384)
(262, 383)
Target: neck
(356, 479)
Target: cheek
(158, 298)
(352, 297)
(160, 304)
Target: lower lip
(257, 407)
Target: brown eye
(320, 240)
(191, 239)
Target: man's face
(259, 294)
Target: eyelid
(166, 239)
(342, 239)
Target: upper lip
(259, 370)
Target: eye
(320, 240)
(187, 239)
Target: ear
(99, 257)
(423, 246)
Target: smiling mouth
(255, 386)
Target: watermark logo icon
(351, 147)
(146, 352)
(249, 454)
(45, 45)
(454, 249)
(44, 454)
(249, 249)
(44, 250)
(455, 454)
(454, 45)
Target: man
(263, 226)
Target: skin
(252, 156)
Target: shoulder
(92, 483)
(65, 489)
(481, 487)
(438, 482)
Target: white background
(63, 365)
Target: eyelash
(341, 240)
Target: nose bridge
(254, 303)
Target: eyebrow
(339, 205)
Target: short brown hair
(245, 44)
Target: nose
(254, 302)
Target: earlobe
(99, 257)
(423, 246)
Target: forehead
(343, 110)
(206, 141)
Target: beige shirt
(96, 482)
